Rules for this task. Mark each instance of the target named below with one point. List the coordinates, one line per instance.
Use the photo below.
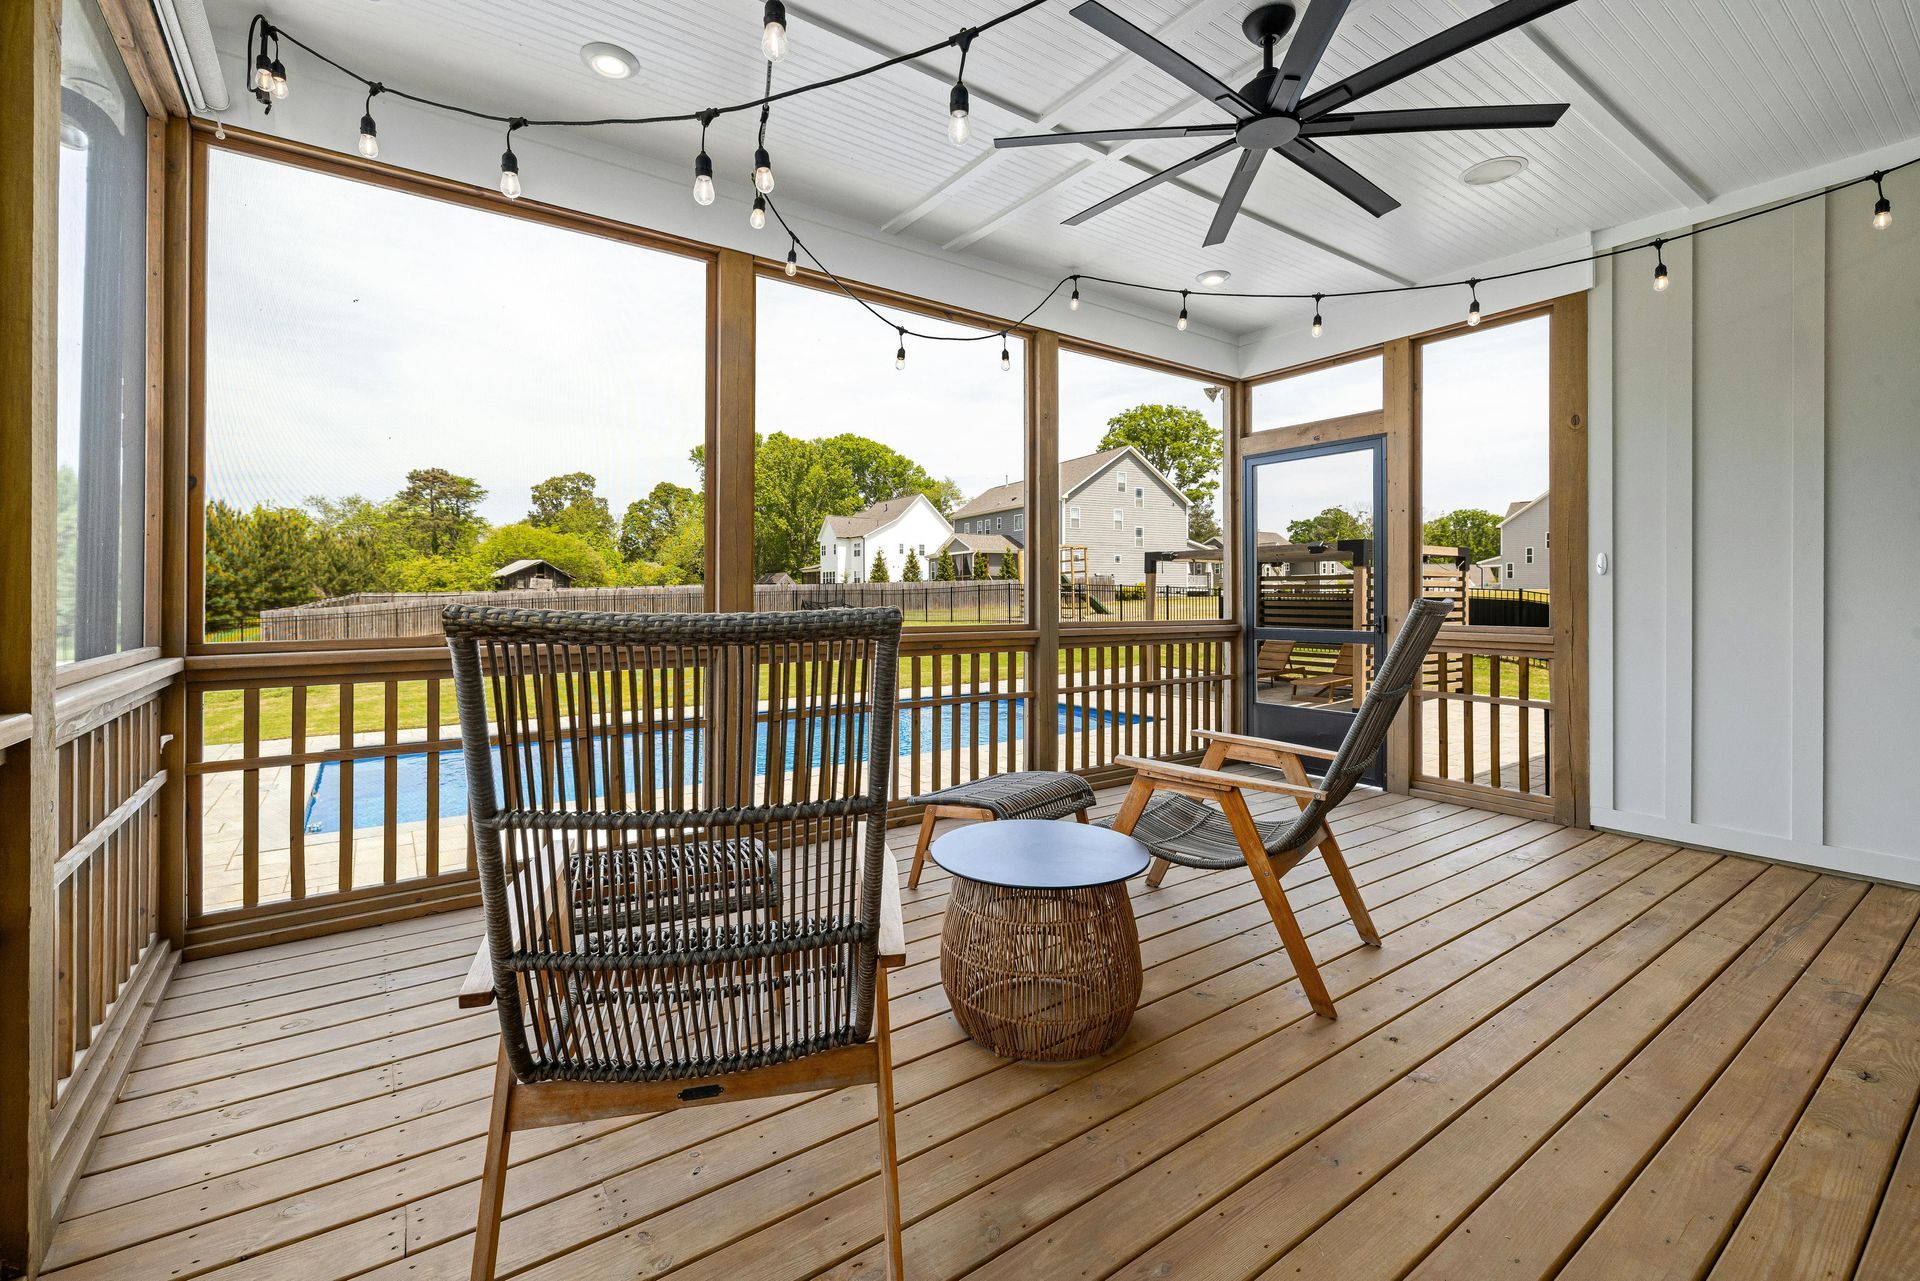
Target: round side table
(1039, 956)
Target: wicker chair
(687, 893)
(1198, 816)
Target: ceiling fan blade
(1540, 115)
(1124, 33)
(1234, 196)
(1150, 182)
(1310, 40)
(1482, 27)
(1114, 135)
(1340, 176)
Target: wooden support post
(1233, 567)
(1042, 558)
(1404, 540)
(174, 324)
(29, 139)
(1567, 564)
(730, 424)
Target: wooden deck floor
(1576, 1054)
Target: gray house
(1113, 503)
(1522, 562)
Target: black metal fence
(1506, 607)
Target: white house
(1522, 562)
(892, 528)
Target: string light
(757, 216)
(279, 74)
(793, 260)
(1006, 357)
(369, 132)
(1318, 328)
(1181, 324)
(1660, 278)
(1473, 309)
(1073, 303)
(773, 34)
(762, 162)
(510, 164)
(959, 124)
(1882, 208)
(703, 165)
(900, 354)
(262, 72)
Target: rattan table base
(1045, 974)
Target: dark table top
(1030, 854)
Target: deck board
(1572, 1047)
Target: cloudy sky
(355, 333)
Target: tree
(877, 572)
(650, 521)
(879, 472)
(569, 505)
(910, 573)
(1010, 565)
(1185, 447)
(257, 559)
(980, 570)
(437, 512)
(439, 574)
(944, 570)
(1475, 531)
(796, 486)
(1201, 523)
(526, 541)
(1332, 525)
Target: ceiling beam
(1533, 50)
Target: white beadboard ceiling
(1675, 103)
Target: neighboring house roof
(990, 544)
(508, 571)
(878, 516)
(1075, 473)
(1514, 509)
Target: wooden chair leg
(889, 1148)
(1080, 816)
(920, 848)
(1349, 891)
(1292, 937)
(493, 1176)
(1130, 811)
(1157, 872)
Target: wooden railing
(109, 959)
(324, 790)
(1485, 719)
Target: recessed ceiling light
(1498, 169)
(1213, 277)
(609, 60)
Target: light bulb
(510, 176)
(262, 75)
(369, 138)
(279, 79)
(1473, 313)
(773, 36)
(757, 216)
(1660, 278)
(1181, 323)
(1883, 214)
(1006, 357)
(1073, 303)
(762, 171)
(959, 123)
(702, 179)
(793, 264)
(1317, 326)
(900, 357)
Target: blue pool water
(998, 721)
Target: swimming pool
(1002, 720)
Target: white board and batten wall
(1755, 486)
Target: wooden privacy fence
(329, 789)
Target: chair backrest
(679, 827)
(1393, 678)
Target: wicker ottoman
(1029, 794)
(1040, 958)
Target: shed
(531, 576)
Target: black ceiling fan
(1270, 114)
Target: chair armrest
(476, 990)
(893, 929)
(1212, 782)
(1262, 744)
